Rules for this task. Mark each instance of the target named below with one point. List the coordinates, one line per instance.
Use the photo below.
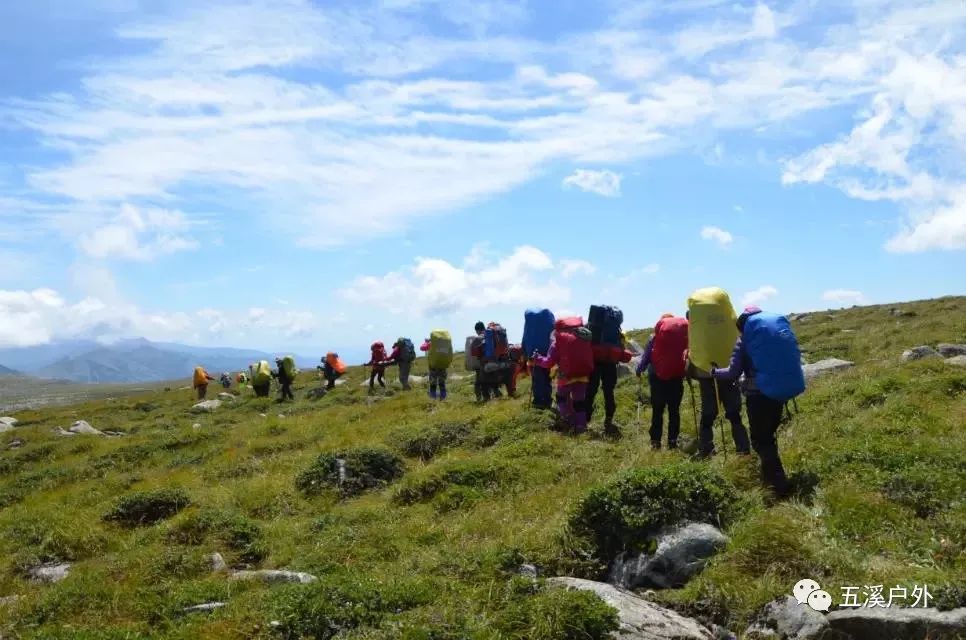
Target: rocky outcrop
(81, 427)
(217, 563)
(640, 619)
(823, 367)
(206, 406)
(945, 349)
(7, 420)
(49, 573)
(786, 619)
(226, 397)
(274, 576)
(919, 353)
(899, 623)
(957, 361)
(205, 608)
(681, 553)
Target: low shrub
(148, 507)
(473, 475)
(350, 472)
(231, 530)
(536, 613)
(428, 442)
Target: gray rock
(114, 434)
(957, 361)
(49, 573)
(823, 367)
(196, 426)
(640, 619)
(682, 552)
(945, 349)
(901, 313)
(206, 406)
(634, 347)
(274, 576)
(4, 427)
(899, 624)
(919, 353)
(528, 571)
(60, 431)
(9, 421)
(227, 397)
(205, 608)
(83, 427)
(217, 563)
(316, 393)
(16, 444)
(786, 619)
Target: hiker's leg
(542, 391)
(564, 405)
(202, 391)
(608, 381)
(731, 399)
(578, 396)
(441, 376)
(478, 386)
(709, 411)
(592, 388)
(764, 415)
(675, 393)
(382, 379)
(658, 402)
(404, 368)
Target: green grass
(433, 553)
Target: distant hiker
(439, 351)
(378, 363)
(664, 361)
(494, 359)
(261, 378)
(514, 365)
(608, 344)
(286, 376)
(573, 355)
(711, 336)
(403, 354)
(768, 355)
(200, 380)
(241, 378)
(474, 360)
(537, 333)
(225, 380)
(332, 369)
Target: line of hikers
(754, 352)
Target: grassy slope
(886, 439)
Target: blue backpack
(537, 329)
(773, 349)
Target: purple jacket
(740, 364)
(549, 360)
(646, 358)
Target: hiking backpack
(667, 349)
(407, 350)
(471, 361)
(200, 377)
(262, 374)
(773, 348)
(605, 323)
(571, 323)
(378, 352)
(575, 353)
(288, 367)
(537, 329)
(440, 350)
(711, 328)
(332, 359)
(495, 342)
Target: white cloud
(844, 296)
(759, 295)
(435, 286)
(717, 234)
(619, 284)
(135, 234)
(574, 267)
(603, 183)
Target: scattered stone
(899, 623)
(275, 624)
(205, 608)
(957, 361)
(7, 601)
(49, 573)
(84, 427)
(263, 415)
(196, 426)
(281, 415)
(227, 397)
(786, 619)
(848, 330)
(7, 420)
(206, 406)
(217, 563)
(274, 576)
(528, 571)
(901, 313)
(4, 427)
(316, 394)
(798, 317)
(60, 431)
(114, 434)
(919, 353)
(721, 633)
(822, 367)
(16, 444)
(945, 349)
(640, 619)
(681, 553)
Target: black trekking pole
(694, 410)
(717, 399)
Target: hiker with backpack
(378, 363)
(473, 359)
(711, 337)
(332, 369)
(261, 378)
(495, 360)
(607, 341)
(286, 376)
(225, 380)
(439, 355)
(664, 361)
(200, 380)
(403, 355)
(538, 327)
(767, 353)
(573, 355)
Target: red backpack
(576, 355)
(670, 344)
(563, 324)
(379, 352)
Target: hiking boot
(672, 444)
(705, 454)
(612, 430)
(432, 395)
(655, 445)
(442, 395)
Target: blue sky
(299, 174)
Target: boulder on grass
(899, 623)
(206, 406)
(919, 353)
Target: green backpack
(440, 349)
(288, 367)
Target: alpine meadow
(449, 518)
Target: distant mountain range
(4, 371)
(136, 360)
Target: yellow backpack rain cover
(199, 378)
(263, 373)
(711, 328)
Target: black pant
(331, 376)
(261, 390)
(377, 375)
(731, 399)
(286, 390)
(604, 377)
(764, 416)
(542, 390)
(666, 394)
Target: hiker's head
(666, 315)
(480, 328)
(749, 311)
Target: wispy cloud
(603, 183)
(717, 234)
(759, 295)
(844, 296)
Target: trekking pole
(717, 399)
(694, 409)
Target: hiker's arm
(646, 358)
(734, 367)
